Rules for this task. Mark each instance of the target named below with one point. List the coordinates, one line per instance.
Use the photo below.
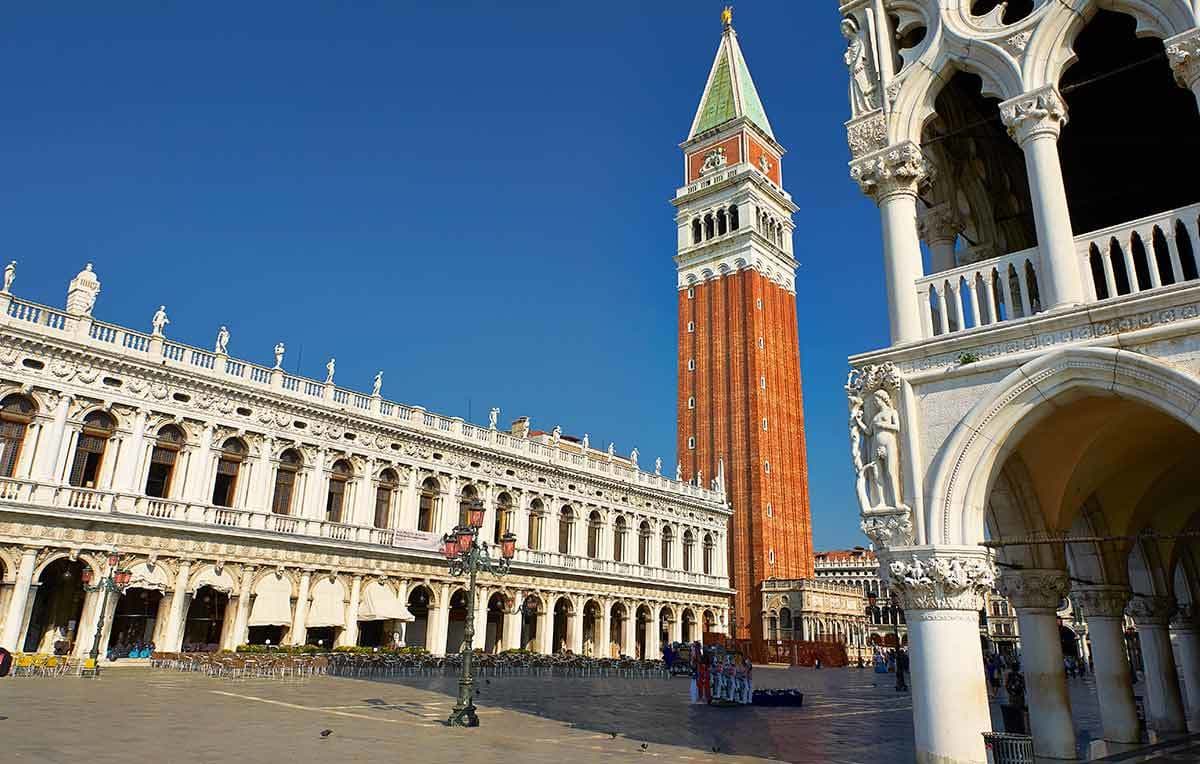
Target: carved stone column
(1185, 635)
(240, 628)
(1104, 609)
(11, 637)
(1035, 595)
(178, 613)
(1184, 52)
(1034, 121)
(891, 176)
(349, 634)
(939, 227)
(299, 631)
(1152, 614)
(942, 589)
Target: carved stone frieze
(929, 578)
(1184, 53)
(1038, 112)
(899, 168)
(1034, 589)
(1151, 609)
(873, 395)
(866, 134)
(1101, 601)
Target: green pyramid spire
(730, 92)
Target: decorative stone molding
(1184, 53)
(940, 223)
(896, 169)
(1034, 589)
(1101, 601)
(866, 134)
(1038, 112)
(940, 578)
(1151, 609)
(873, 393)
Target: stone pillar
(240, 628)
(1185, 635)
(513, 620)
(1184, 52)
(942, 590)
(1152, 614)
(315, 488)
(545, 628)
(299, 632)
(1104, 609)
(363, 512)
(939, 227)
(677, 624)
(349, 634)
(481, 601)
(436, 630)
(604, 643)
(1035, 595)
(11, 636)
(127, 471)
(892, 176)
(197, 479)
(178, 614)
(575, 629)
(47, 467)
(1034, 121)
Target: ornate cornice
(1038, 112)
(1151, 609)
(1184, 53)
(898, 169)
(940, 578)
(1101, 601)
(1034, 589)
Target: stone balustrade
(980, 294)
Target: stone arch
(93, 560)
(962, 473)
(9, 560)
(281, 573)
(208, 575)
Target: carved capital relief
(1151, 610)
(940, 223)
(929, 578)
(1183, 51)
(1034, 589)
(1186, 618)
(901, 168)
(888, 528)
(866, 134)
(1038, 112)
(1101, 601)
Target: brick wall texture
(745, 348)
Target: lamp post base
(463, 716)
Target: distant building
(859, 568)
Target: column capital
(1034, 589)
(1038, 112)
(897, 169)
(939, 577)
(1183, 51)
(1101, 601)
(1151, 609)
(1186, 618)
(939, 224)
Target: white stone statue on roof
(586, 440)
(377, 385)
(10, 274)
(222, 341)
(678, 472)
(633, 457)
(658, 466)
(160, 321)
(555, 435)
(493, 417)
(329, 367)
(612, 448)
(279, 349)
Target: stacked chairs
(41, 665)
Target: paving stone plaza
(850, 716)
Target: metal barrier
(1007, 748)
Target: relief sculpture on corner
(864, 77)
(873, 393)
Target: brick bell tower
(740, 406)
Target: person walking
(901, 670)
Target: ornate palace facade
(254, 505)
(1034, 422)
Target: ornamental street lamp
(116, 582)
(466, 555)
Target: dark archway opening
(1131, 147)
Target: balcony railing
(1130, 258)
(28, 492)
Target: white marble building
(1036, 418)
(254, 505)
(859, 568)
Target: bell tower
(740, 406)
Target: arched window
(98, 427)
(722, 226)
(285, 481)
(229, 464)
(619, 529)
(384, 491)
(645, 535)
(163, 457)
(428, 506)
(16, 412)
(667, 539)
(733, 218)
(537, 514)
(696, 232)
(335, 497)
(593, 541)
(709, 229)
(785, 622)
(504, 515)
(708, 554)
(689, 543)
(469, 495)
(566, 519)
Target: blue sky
(473, 199)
